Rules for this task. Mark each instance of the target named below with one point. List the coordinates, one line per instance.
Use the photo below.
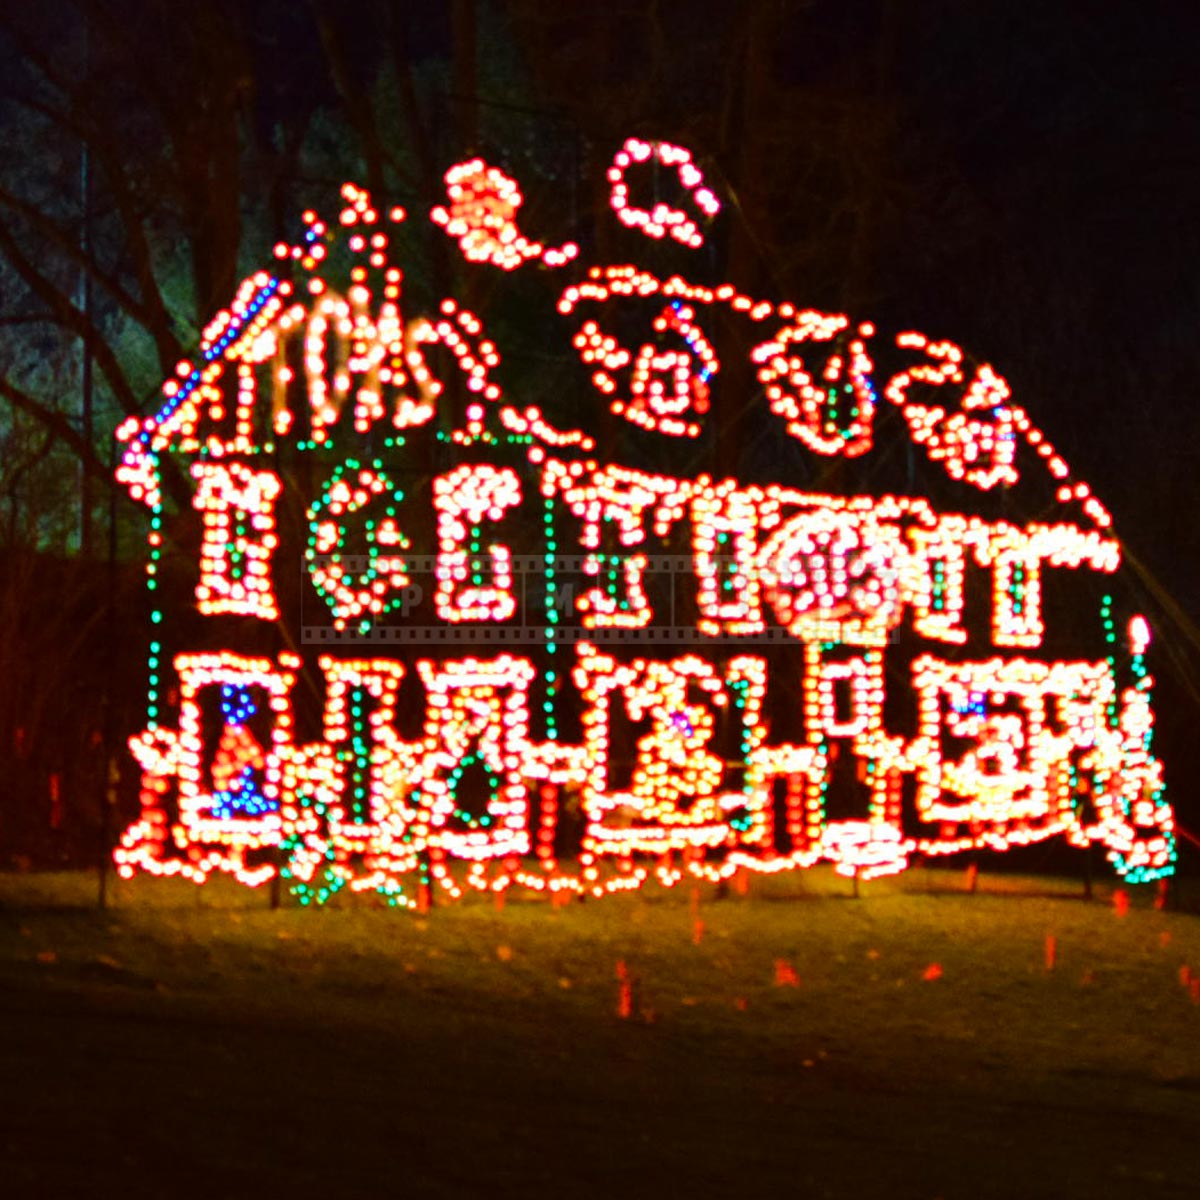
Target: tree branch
(58, 425)
(70, 317)
(70, 247)
(155, 318)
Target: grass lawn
(193, 1041)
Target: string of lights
(677, 768)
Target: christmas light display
(377, 589)
(663, 219)
(531, 665)
(239, 538)
(483, 203)
(833, 417)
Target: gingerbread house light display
(443, 635)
